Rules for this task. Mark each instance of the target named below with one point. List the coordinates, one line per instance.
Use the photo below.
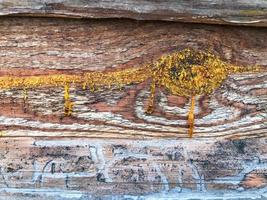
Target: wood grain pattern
(238, 12)
(94, 168)
(110, 146)
(237, 109)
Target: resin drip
(191, 117)
(68, 104)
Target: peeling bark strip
(147, 168)
(239, 12)
(36, 47)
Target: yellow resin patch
(2, 133)
(190, 73)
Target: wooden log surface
(238, 12)
(110, 146)
(80, 168)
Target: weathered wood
(226, 158)
(238, 12)
(163, 169)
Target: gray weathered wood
(238, 12)
(119, 169)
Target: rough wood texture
(237, 109)
(238, 12)
(126, 169)
(227, 153)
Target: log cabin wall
(109, 148)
